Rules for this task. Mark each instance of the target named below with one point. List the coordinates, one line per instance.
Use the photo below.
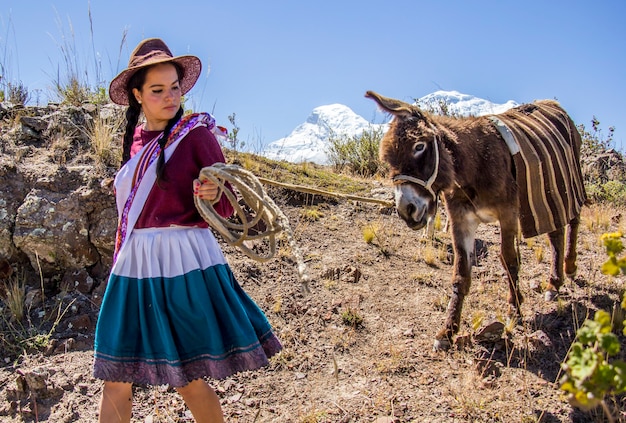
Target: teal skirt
(173, 312)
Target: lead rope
(268, 218)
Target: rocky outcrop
(57, 209)
(603, 167)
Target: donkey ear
(397, 108)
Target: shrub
(357, 154)
(17, 93)
(614, 247)
(589, 375)
(351, 317)
(595, 142)
(73, 92)
(612, 192)
(615, 192)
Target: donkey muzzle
(412, 208)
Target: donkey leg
(510, 261)
(463, 238)
(570, 248)
(557, 243)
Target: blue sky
(272, 62)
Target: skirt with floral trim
(173, 312)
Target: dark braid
(163, 140)
(133, 112)
(132, 117)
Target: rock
(33, 299)
(540, 338)
(56, 214)
(80, 323)
(348, 274)
(351, 274)
(78, 280)
(53, 230)
(535, 285)
(603, 167)
(65, 346)
(490, 333)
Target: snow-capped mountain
(463, 104)
(309, 140)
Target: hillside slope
(358, 347)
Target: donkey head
(412, 150)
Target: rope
(316, 191)
(268, 219)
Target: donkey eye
(418, 147)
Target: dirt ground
(358, 346)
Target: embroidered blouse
(170, 202)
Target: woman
(172, 313)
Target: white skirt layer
(181, 250)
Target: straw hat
(150, 52)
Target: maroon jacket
(170, 202)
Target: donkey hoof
(443, 344)
(550, 295)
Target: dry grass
(307, 174)
(15, 296)
(103, 133)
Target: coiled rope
(268, 220)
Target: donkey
(520, 168)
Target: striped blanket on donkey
(545, 145)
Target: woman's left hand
(206, 189)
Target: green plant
(352, 318)
(369, 233)
(613, 246)
(312, 214)
(99, 96)
(357, 154)
(72, 91)
(595, 140)
(11, 89)
(18, 337)
(381, 237)
(614, 192)
(18, 333)
(314, 417)
(590, 376)
(235, 143)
